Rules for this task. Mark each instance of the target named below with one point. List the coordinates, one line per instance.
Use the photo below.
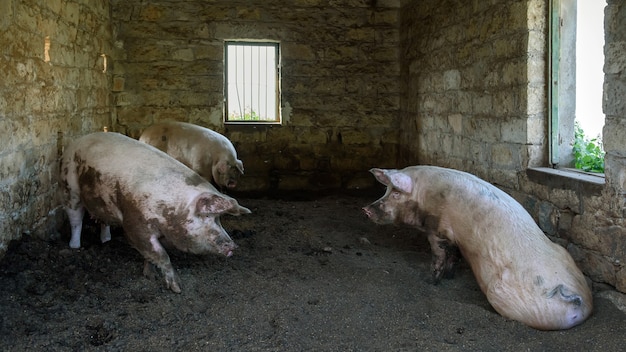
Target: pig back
(101, 167)
(195, 146)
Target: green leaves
(248, 115)
(588, 153)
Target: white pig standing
(156, 199)
(205, 151)
(525, 276)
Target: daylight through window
(576, 66)
(252, 82)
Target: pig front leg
(444, 257)
(76, 223)
(154, 253)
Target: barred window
(252, 82)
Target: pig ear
(222, 166)
(239, 165)
(381, 176)
(208, 203)
(238, 210)
(394, 178)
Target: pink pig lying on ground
(156, 199)
(525, 276)
(205, 151)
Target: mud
(310, 274)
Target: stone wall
(469, 87)
(365, 83)
(340, 83)
(476, 100)
(52, 88)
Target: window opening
(576, 69)
(252, 82)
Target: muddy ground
(309, 275)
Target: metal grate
(252, 82)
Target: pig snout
(231, 183)
(370, 213)
(227, 248)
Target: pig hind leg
(76, 223)
(105, 233)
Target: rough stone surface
(53, 88)
(340, 72)
(475, 85)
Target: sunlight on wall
(589, 64)
(46, 49)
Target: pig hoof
(437, 276)
(175, 288)
(172, 284)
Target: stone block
(184, 54)
(296, 51)
(482, 104)
(350, 137)
(293, 182)
(250, 183)
(565, 199)
(614, 97)
(613, 134)
(118, 84)
(70, 11)
(547, 218)
(620, 279)
(615, 62)
(598, 268)
(451, 79)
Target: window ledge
(253, 123)
(250, 126)
(572, 179)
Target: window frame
(277, 93)
(562, 84)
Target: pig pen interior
(310, 274)
(363, 84)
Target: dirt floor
(309, 275)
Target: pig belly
(101, 207)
